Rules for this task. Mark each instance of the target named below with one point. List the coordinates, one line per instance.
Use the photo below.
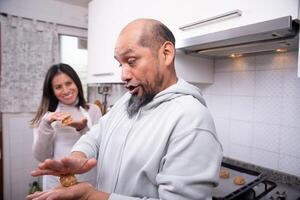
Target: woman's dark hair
(49, 101)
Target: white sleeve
(43, 141)
(93, 116)
(90, 142)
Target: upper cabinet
(103, 28)
(215, 15)
(107, 18)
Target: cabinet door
(107, 18)
(253, 11)
(102, 33)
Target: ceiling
(81, 3)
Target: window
(73, 51)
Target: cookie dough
(239, 180)
(67, 119)
(224, 173)
(68, 180)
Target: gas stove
(283, 192)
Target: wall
(17, 156)
(47, 10)
(255, 102)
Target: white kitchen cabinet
(253, 11)
(103, 29)
(107, 18)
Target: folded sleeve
(43, 141)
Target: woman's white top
(56, 141)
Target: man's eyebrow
(124, 53)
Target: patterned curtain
(28, 49)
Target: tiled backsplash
(255, 102)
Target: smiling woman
(53, 137)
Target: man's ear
(168, 51)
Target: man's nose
(125, 74)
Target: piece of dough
(68, 180)
(224, 173)
(67, 119)
(239, 180)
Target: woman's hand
(80, 191)
(79, 125)
(55, 116)
(68, 165)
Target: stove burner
(279, 196)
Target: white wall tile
(266, 137)
(267, 110)
(242, 108)
(223, 65)
(220, 106)
(265, 158)
(240, 152)
(289, 164)
(291, 112)
(241, 133)
(270, 61)
(289, 141)
(244, 63)
(222, 84)
(291, 83)
(243, 83)
(269, 83)
(291, 60)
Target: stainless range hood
(267, 36)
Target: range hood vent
(280, 33)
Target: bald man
(159, 139)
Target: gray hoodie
(169, 150)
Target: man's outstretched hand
(67, 165)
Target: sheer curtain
(28, 49)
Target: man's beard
(136, 102)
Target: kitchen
(254, 99)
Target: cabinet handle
(104, 74)
(210, 19)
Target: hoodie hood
(179, 89)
